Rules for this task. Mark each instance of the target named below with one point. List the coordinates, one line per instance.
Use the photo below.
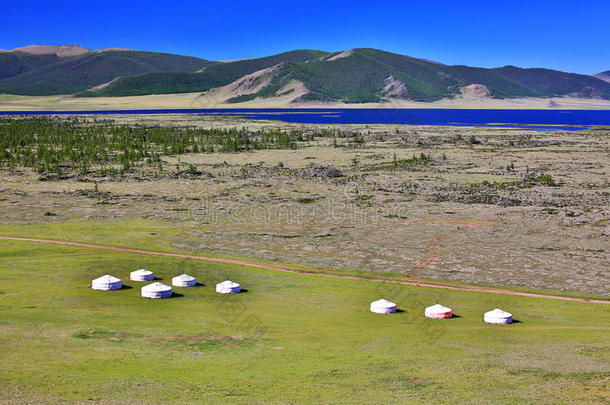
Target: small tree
(191, 169)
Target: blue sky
(565, 35)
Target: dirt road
(296, 270)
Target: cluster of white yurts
(438, 311)
(159, 290)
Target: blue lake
(530, 119)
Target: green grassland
(288, 339)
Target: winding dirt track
(297, 270)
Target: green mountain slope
(355, 76)
(359, 77)
(16, 63)
(79, 73)
(551, 83)
(369, 75)
(214, 75)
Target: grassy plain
(460, 215)
(288, 339)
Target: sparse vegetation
(51, 145)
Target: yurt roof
(383, 303)
(438, 308)
(229, 283)
(498, 313)
(156, 287)
(185, 277)
(142, 272)
(108, 278)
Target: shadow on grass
(514, 321)
(123, 287)
(176, 295)
(398, 311)
(188, 286)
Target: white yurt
(184, 280)
(106, 283)
(438, 311)
(156, 290)
(498, 316)
(141, 275)
(228, 287)
(383, 306)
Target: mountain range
(354, 76)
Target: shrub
(192, 170)
(473, 140)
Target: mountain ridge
(60, 50)
(359, 75)
(74, 74)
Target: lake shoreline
(522, 119)
(200, 100)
